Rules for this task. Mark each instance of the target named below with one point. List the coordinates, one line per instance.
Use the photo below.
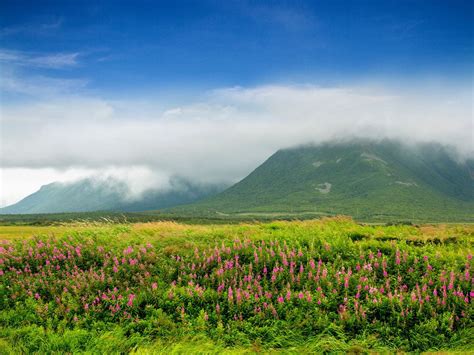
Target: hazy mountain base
(371, 181)
(108, 195)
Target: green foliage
(166, 287)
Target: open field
(300, 286)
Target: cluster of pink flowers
(79, 276)
(235, 280)
(253, 277)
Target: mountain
(369, 180)
(383, 180)
(107, 195)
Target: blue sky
(144, 90)
(151, 45)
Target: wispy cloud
(404, 30)
(23, 73)
(290, 18)
(35, 29)
(51, 61)
(39, 86)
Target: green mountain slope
(107, 195)
(365, 179)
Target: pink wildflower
(131, 297)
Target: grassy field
(301, 286)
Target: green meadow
(281, 286)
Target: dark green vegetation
(367, 180)
(297, 287)
(68, 217)
(107, 195)
(48, 219)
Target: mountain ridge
(362, 178)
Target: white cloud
(51, 61)
(18, 74)
(16, 183)
(222, 136)
(38, 86)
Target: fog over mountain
(365, 179)
(109, 194)
(218, 136)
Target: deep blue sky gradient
(134, 46)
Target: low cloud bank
(222, 135)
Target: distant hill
(365, 179)
(107, 195)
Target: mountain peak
(362, 178)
